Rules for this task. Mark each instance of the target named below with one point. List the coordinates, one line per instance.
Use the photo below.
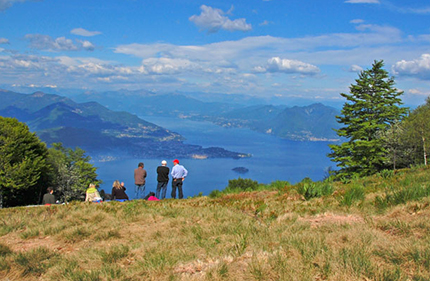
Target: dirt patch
(18, 244)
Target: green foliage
(417, 133)
(353, 194)
(73, 172)
(24, 171)
(310, 189)
(215, 193)
(240, 184)
(402, 194)
(372, 106)
(386, 173)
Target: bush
(386, 174)
(215, 193)
(279, 185)
(242, 185)
(314, 189)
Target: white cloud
(277, 64)
(6, 4)
(213, 20)
(4, 41)
(363, 1)
(46, 42)
(87, 45)
(418, 92)
(357, 21)
(419, 68)
(84, 32)
(408, 10)
(265, 22)
(166, 65)
(261, 47)
(355, 68)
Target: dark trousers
(177, 183)
(161, 186)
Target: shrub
(215, 193)
(386, 174)
(314, 189)
(242, 185)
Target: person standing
(139, 180)
(179, 173)
(162, 179)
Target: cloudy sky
(312, 49)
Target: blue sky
(310, 49)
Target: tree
(24, 171)
(72, 172)
(400, 151)
(372, 106)
(418, 129)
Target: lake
(272, 159)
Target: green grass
(373, 228)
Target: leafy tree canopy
(72, 172)
(24, 171)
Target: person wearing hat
(179, 173)
(162, 179)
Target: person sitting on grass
(92, 194)
(151, 197)
(49, 197)
(118, 191)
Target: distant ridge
(97, 129)
(314, 122)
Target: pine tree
(372, 106)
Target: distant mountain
(98, 129)
(147, 103)
(313, 122)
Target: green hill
(374, 228)
(98, 129)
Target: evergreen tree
(72, 172)
(372, 106)
(24, 171)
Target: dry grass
(262, 235)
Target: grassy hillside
(374, 228)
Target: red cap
(176, 161)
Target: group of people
(178, 174)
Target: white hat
(164, 162)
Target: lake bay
(272, 159)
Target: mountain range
(109, 122)
(313, 122)
(98, 129)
